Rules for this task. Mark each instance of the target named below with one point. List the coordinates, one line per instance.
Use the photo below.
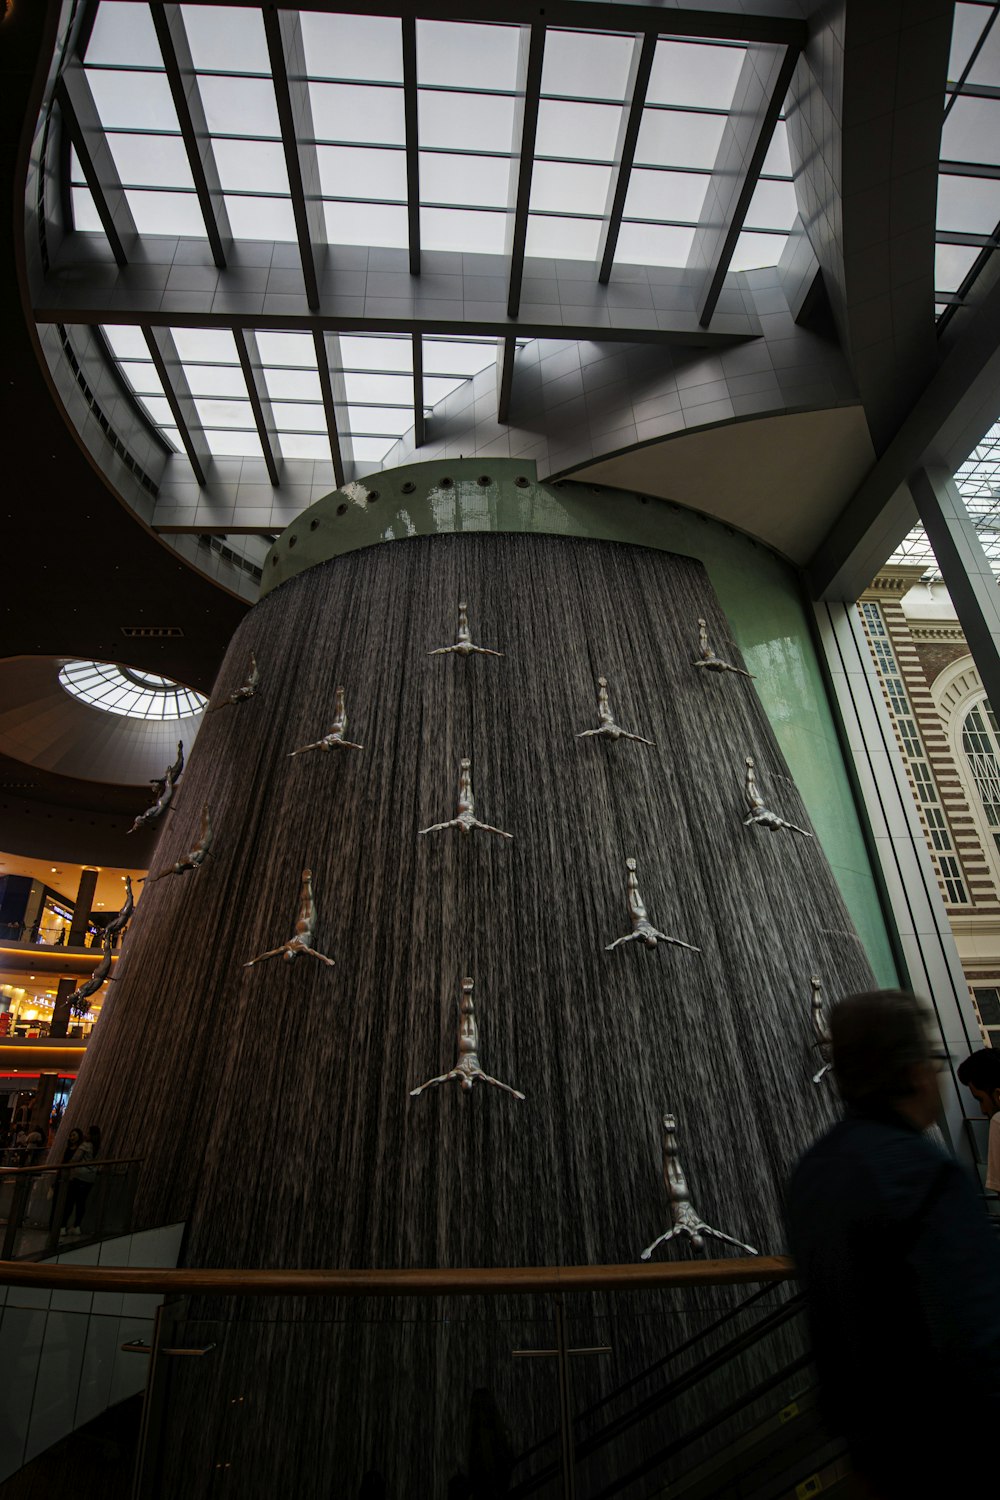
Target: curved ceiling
(42, 725)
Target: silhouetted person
(980, 1072)
(900, 1266)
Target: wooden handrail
(70, 1166)
(462, 1281)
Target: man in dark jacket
(900, 1266)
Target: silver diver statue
(643, 930)
(195, 857)
(301, 942)
(820, 1028)
(467, 1069)
(336, 735)
(118, 923)
(463, 641)
(760, 815)
(241, 694)
(159, 807)
(707, 658)
(158, 785)
(606, 721)
(684, 1220)
(79, 1001)
(465, 819)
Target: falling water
(272, 1105)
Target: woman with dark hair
(80, 1154)
(980, 1072)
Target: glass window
(755, 250)
(394, 390)
(299, 417)
(463, 229)
(151, 160)
(665, 195)
(231, 443)
(216, 380)
(565, 187)
(166, 213)
(360, 352)
(293, 385)
(967, 28)
(364, 47)
(671, 138)
(304, 445)
(972, 131)
(373, 421)
(133, 101)
(213, 345)
(562, 239)
(481, 181)
(952, 263)
(654, 245)
(239, 106)
(260, 218)
(588, 65)
(577, 131)
(366, 224)
(223, 40)
(114, 690)
(968, 204)
(351, 112)
(228, 414)
(354, 172)
(695, 73)
(85, 215)
(777, 162)
(772, 206)
(123, 34)
(251, 166)
(464, 55)
(480, 122)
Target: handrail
(70, 1166)
(461, 1281)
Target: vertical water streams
(272, 1104)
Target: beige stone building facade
(950, 742)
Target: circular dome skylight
(129, 693)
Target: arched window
(981, 743)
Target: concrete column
(927, 953)
(964, 568)
(84, 903)
(60, 1011)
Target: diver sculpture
(158, 785)
(684, 1220)
(120, 922)
(159, 807)
(643, 930)
(820, 1028)
(707, 658)
(760, 815)
(467, 1069)
(606, 722)
(465, 819)
(195, 857)
(301, 941)
(242, 693)
(79, 1001)
(336, 735)
(463, 641)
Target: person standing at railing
(980, 1072)
(79, 1154)
(899, 1265)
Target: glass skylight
(978, 481)
(968, 207)
(349, 91)
(128, 693)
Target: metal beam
(506, 349)
(959, 403)
(183, 81)
(770, 22)
(167, 362)
(260, 401)
(410, 115)
(419, 426)
(760, 93)
(529, 84)
(329, 404)
(286, 52)
(83, 125)
(643, 53)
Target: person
(34, 1145)
(980, 1072)
(899, 1264)
(80, 1154)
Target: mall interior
(445, 450)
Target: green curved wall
(759, 591)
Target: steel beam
(326, 382)
(506, 350)
(529, 84)
(183, 81)
(260, 401)
(419, 426)
(410, 114)
(83, 125)
(771, 20)
(167, 362)
(283, 29)
(644, 51)
(760, 93)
